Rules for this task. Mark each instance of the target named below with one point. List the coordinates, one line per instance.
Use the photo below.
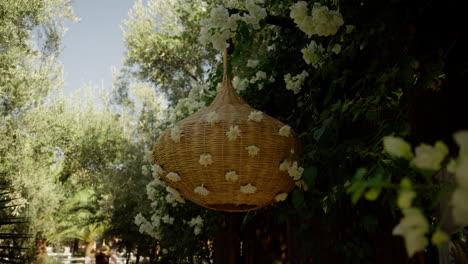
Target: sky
(95, 44)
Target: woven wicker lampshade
(220, 159)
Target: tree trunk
(227, 241)
(89, 248)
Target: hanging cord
(227, 51)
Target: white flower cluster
(220, 26)
(231, 176)
(197, 224)
(284, 166)
(145, 226)
(252, 63)
(313, 54)
(240, 84)
(205, 160)
(428, 157)
(255, 116)
(167, 219)
(460, 195)
(284, 131)
(248, 189)
(336, 48)
(397, 147)
(175, 194)
(295, 83)
(413, 226)
(144, 170)
(295, 171)
(173, 176)
(260, 78)
(212, 117)
(148, 155)
(201, 190)
(157, 170)
(176, 133)
(322, 22)
(253, 150)
(151, 190)
(281, 197)
(256, 13)
(233, 132)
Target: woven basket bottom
(231, 207)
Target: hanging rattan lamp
(228, 156)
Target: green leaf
(297, 198)
(309, 175)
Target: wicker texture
(200, 138)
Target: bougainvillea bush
(376, 90)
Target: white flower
(412, 227)
(256, 13)
(175, 194)
(440, 238)
(281, 197)
(271, 79)
(460, 206)
(144, 170)
(336, 48)
(271, 47)
(173, 176)
(218, 39)
(155, 220)
(151, 192)
(284, 166)
(231, 176)
(255, 116)
(285, 131)
(461, 173)
(148, 155)
(231, 23)
(322, 22)
(295, 171)
(157, 170)
(295, 83)
(196, 221)
(259, 76)
(240, 84)
(176, 133)
(212, 117)
(201, 190)
(196, 230)
(428, 157)
(218, 17)
(252, 63)
(233, 132)
(139, 218)
(302, 185)
(205, 160)
(313, 54)
(461, 138)
(167, 219)
(253, 150)
(397, 147)
(248, 189)
(405, 198)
